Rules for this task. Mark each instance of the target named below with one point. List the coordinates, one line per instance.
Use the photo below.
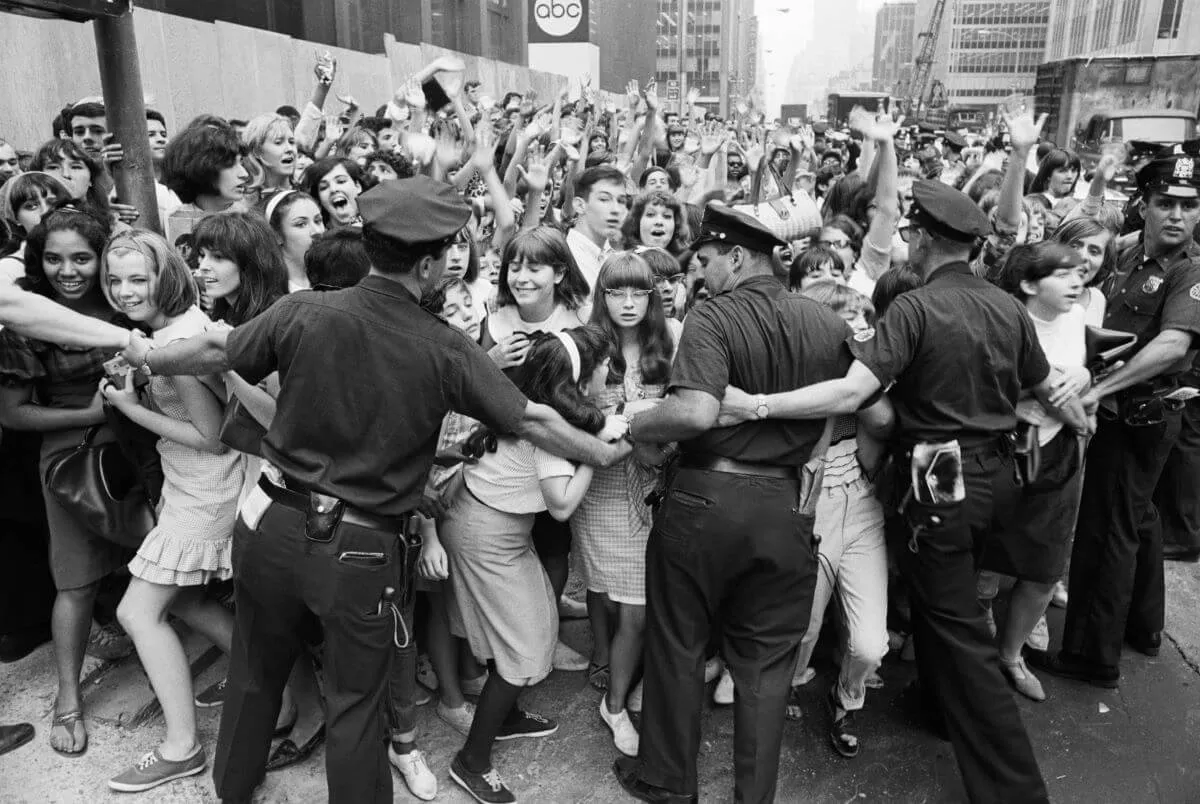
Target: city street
(1137, 744)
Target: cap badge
(1195, 292)
(1185, 167)
(1152, 284)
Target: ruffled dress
(192, 542)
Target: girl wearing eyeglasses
(613, 521)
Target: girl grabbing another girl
(504, 603)
(146, 280)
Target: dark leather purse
(101, 488)
(1104, 348)
(240, 430)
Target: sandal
(841, 729)
(68, 721)
(598, 676)
(795, 707)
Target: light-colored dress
(612, 524)
(191, 544)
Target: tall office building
(894, 40)
(1114, 27)
(715, 58)
(986, 49)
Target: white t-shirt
(1097, 305)
(1065, 346)
(509, 479)
(507, 320)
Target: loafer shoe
(1148, 644)
(625, 736)
(153, 770)
(1097, 675)
(287, 753)
(625, 769)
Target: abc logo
(557, 17)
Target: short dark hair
(1033, 263)
(287, 110)
(593, 176)
(154, 114)
(374, 124)
(393, 159)
(238, 122)
(336, 259)
(391, 257)
(61, 150)
(545, 376)
(195, 157)
(89, 109)
(891, 284)
(810, 260)
(467, 87)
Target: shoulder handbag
(789, 217)
(100, 487)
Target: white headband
(572, 352)
(275, 201)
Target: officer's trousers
(1116, 577)
(734, 547)
(1177, 497)
(278, 576)
(957, 659)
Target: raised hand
(633, 93)
(693, 95)
(413, 95)
(712, 137)
(651, 95)
(483, 158)
(325, 69)
(879, 127)
(536, 172)
(448, 151)
(1023, 131)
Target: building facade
(1115, 27)
(895, 38)
(987, 50)
(721, 42)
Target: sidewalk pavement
(1140, 743)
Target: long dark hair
(91, 227)
(246, 239)
(545, 376)
(629, 270)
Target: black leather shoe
(14, 736)
(1064, 666)
(625, 769)
(1149, 644)
(16, 646)
(288, 753)
(1178, 552)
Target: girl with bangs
(1054, 184)
(144, 279)
(24, 200)
(84, 177)
(657, 220)
(462, 262)
(51, 390)
(336, 183)
(541, 289)
(1097, 245)
(270, 153)
(613, 521)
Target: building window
(1130, 14)
(1168, 21)
(1079, 26)
(1102, 27)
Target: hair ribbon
(275, 201)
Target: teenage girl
(24, 200)
(270, 153)
(145, 279)
(656, 219)
(816, 263)
(336, 184)
(504, 602)
(51, 390)
(295, 219)
(613, 522)
(1097, 247)
(84, 177)
(462, 262)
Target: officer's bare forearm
(683, 415)
(828, 398)
(879, 419)
(543, 427)
(1167, 349)
(196, 356)
(37, 317)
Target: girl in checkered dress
(145, 279)
(613, 522)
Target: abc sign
(557, 18)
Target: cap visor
(1176, 191)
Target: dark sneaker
(527, 724)
(109, 642)
(152, 770)
(487, 787)
(213, 696)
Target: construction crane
(920, 88)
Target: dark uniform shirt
(1146, 297)
(959, 350)
(764, 340)
(366, 378)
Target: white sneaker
(568, 659)
(425, 673)
(416, 773)
(803, 678)
(571, 609)
(625, 736)
(1039, 637)
(712, 669)
(723, 694)
(460, 718)
(634, 702)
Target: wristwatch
(761, 411)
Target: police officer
(366, 378)
(959, 351)
(1177, 496)
(704, 556)
(1116, 582)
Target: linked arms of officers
(545, 428)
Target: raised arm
(1023, 133)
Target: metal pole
(124, 105)
(683, 87)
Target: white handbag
(789, 217)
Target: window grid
(1102, 31)
(1129, 21)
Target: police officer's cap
(1174, 171)
(413, 211)
(955, 141)
(942, 210)
(724, 224)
